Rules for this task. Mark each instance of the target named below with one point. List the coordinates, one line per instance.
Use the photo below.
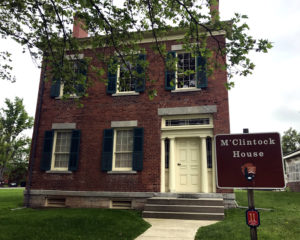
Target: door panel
(188, 165)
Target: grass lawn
(66, 223)
(283, 222)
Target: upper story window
(72, 81)
(126, 78)
(185, 71)
(75, 86)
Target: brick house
(122, 148)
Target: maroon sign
(249, 161)
(252, 218)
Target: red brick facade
(101, 108)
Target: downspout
(35, 135)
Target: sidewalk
(172, 229)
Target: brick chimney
(214, 9)
(78, 28)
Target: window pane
(123, 160)
(185, 70)
(63, 142)
(126, 80)
(124, 148)
(185, 122)
(62, 149)
(61, 160)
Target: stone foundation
(93, 199)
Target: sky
(266, 101)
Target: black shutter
(74, 150)
(82, 65)
(201, 72)
(47, 151)
(140, 81)
(112, 78)
(107, 150)
(138, 143)
(170, 74)
(55, 87)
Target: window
(126, 78)
(77, 79)
(122, 149)
(294, 171)
(61, 150)
(187, 72)
(187, 122)
(75, 75)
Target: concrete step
(184, 208)
(186, 201)
(183, 215)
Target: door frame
(173, 133)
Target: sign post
(251, 205)
(249, 161)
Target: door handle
(178, 164)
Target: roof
(292, 154)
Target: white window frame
(118, 84)
(114, 168)
(189, 116)
(53, 151)
(176, 73)
(61, 90)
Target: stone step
(186, 201)
(184, 208)
(183, 215)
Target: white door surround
(198, 178)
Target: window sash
(76, 69)
(185, 63)
(125, 81)
(61, 150)
(123, 149)
(187, 122)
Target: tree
(290, 141)
(14, 144)
(44, 28)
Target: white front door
(187, 165)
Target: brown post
(253, 230)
